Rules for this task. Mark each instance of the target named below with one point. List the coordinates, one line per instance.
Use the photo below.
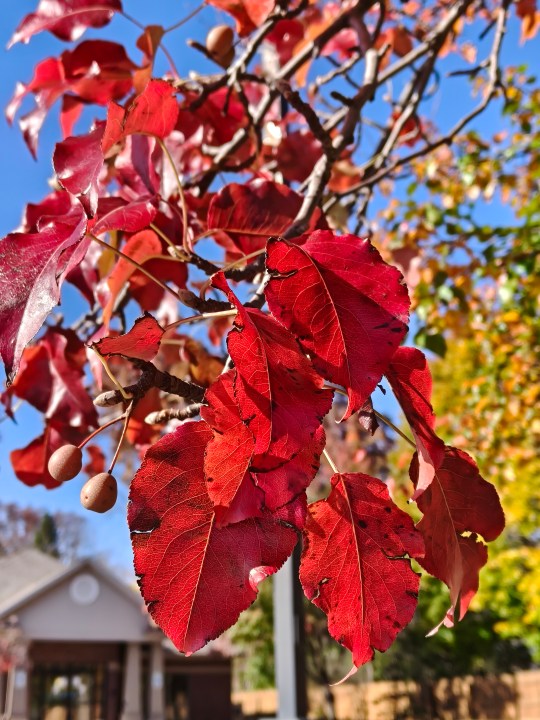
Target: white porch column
(285, 638)
(157, 682)
(131, 706)
(17, 700)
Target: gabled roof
(29, 573)
(25, 570)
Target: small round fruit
(65, 463)
(219, 43)
(99, 493)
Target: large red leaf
(42, 259)
(153, 112)
(251, 213)
(141, 342)
(197, 578)
(410, 378)
(228, 456)
(67, 19)
(249, 14)
(346, 306)
(458, 506)
(281, 397)
(78, 162)
(354, 566)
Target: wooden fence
(501, 697)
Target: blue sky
(24, 180)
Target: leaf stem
(200, 318)
(390, 424)
(107, 369)
(127, 416)
(167, 240)
(181, 193)
(186, 19)
(136, 265)
(330, 462)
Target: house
(84, 648)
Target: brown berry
(219, 43)
(99, 493)
(65, 463)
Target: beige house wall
(58, 617)
(503, 697)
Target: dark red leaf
(197, 578)
(297, 154)
(142, 341)
(67, 19)
(346, 306)
(30, 463)
(354, 564)
(69, 403)
(410, 379)
(78, 162)
(52, 206)
(153, 112)
(134, 167)
(130, 217)
(458, 506)
(228, 455)
(42, 260)
(281, 397)
(251, 213)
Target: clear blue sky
(24, 180)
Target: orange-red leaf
(346, 306)
(458, 506)
(354, 565)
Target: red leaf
(27, 296)
(153, 112)
(97, 460)
(142, 341)
(69, 403)
(458, 501)
(196, 578)
(131, 217)
(30, 463)
(228, 455)
(410, 378)
(251, 213)
(67, 19)
(282, 485)
(281, 397)
(297, 154)
(140, 247)
(78, 162)
(96, 71)
(354, 566)
(249, 14)
(346, 306)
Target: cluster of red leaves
(220, 503)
